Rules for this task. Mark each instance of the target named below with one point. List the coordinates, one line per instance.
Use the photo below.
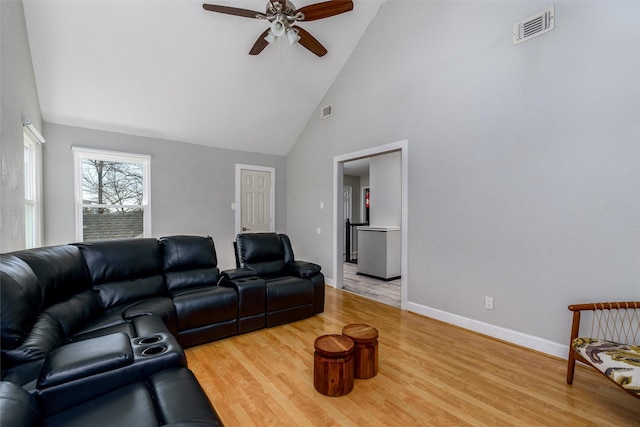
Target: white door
(255, 201)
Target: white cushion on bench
(619, 362)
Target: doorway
(339, 219)
(255, 199)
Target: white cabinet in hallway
(379, 252)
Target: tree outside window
(112, 193)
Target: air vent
(325, 112)
(533, 26)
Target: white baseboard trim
(518, 338)
(330, 282)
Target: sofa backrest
(20, 300)
(189, 261)
(60, 270)
(45, 295)
(124, 270)
(264, 253)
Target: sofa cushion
(189, 405)
(260, 252)
(124, 270)
(189, 261)
(17, 407)
(187, 252)
(116, 293)
(45, 336)
(20, 300)
(75, 311)
(60, 270)
(287, 292)
(116, 260)
(205, 306)
(127, 406)
(161, 307)
(171, 396)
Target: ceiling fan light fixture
(270, 38)
(292, 36)
(278, 27)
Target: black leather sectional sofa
(93, 333)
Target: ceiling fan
(282, 14)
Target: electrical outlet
(318, 231)
(488, 303)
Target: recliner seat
(294, 289)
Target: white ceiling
(169, 69)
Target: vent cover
(326, 111)
(534, 26)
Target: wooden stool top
(360, 333)
(333, 345)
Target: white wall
(192, 186)
(524, 167)
(385, 173)
(19, 99)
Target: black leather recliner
(294, 289)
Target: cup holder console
(149, 340)
(154, 350)
(151, 345)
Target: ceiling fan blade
(325, 9)
(260, 44)
(308, 41)
(246, 13)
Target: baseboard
(514, 337)
(329, 281)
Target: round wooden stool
(333, 365)
(365, 338)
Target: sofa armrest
(237, 273)
(302, 268)
(85, 358)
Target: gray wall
(524, 161)
(385, 174)
(192, 186)
(18, 99)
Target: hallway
(387, 292)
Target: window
(31, 193)
(112, 195)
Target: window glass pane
(112, 223)
(112, 183)
(28, 172)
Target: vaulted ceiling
(169, 69)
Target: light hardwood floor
(430, 374)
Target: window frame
(81, 153)
(32, 191)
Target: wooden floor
(386, 291)
(430, 374)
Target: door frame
(338, 215)
(237, 206)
